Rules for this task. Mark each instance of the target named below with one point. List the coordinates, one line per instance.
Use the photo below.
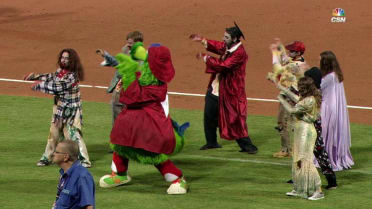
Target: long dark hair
(307, 88)
(329, 64)
(74, 65)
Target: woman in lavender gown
(334, 113)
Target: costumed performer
(142, 132)
(335, 116)
(287, 69)
(67, 112)
(320, 153)
(225, 100)
(306, 180)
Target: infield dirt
(33, 32)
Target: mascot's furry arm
(129, 65)
(127, 68)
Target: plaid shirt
(65, 86)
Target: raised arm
(215, 65)
(302, 107)
(112, 62)
(286, 91)
(127, 68)
(217, 47)
(52, 86)
(109, 60)
(289, 108)
(40, 77)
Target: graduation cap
(239, 31)
(235, 31)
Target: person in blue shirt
(76, 188)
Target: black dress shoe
(329, 187)
(207, 146)
(250, 149)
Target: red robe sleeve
(217, 47)
(233, 61)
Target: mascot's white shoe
(113, 180)
(178, 186)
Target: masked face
(227, 39)
(64, 59)
(293, 54)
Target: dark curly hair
(307, 88)
(74, 65)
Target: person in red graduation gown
(225, 100)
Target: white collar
(234, 48)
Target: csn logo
(338, 15)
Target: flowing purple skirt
(335, 123)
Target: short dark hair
(136, 36)
(71, 148)
(234, 32)
(74, 65)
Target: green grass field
(222, 178)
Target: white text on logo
(338, 19)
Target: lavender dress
(335, 123)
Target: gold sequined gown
(306, 179)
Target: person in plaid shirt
(67, 112)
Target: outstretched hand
(277, 41)
(99, 52)
(200, 55)
(28, 77)
(281, 98)
(270, 77)
(273, 47)
(195, 37)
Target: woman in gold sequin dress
(306, 180)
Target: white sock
(113, 167)
(169, 177)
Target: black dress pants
(211, 112)
(211, 118)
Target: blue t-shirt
(76, 188)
